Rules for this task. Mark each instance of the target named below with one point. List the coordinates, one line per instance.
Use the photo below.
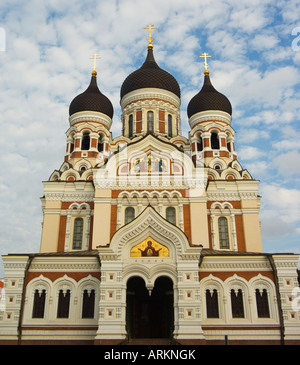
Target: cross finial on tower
(205, 56)
(150, 27)
(95, 57)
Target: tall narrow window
(88, 304)
(150, 121)
(214, 141)
(212, 306)
(63, 304)
(129, 214)
(262, 303)
(199, 145)
(237, 306)
(39, 303)
(72, 143)
(77, 233)
(171, 215)
(223, 233)
(85, 143)
(100, 143)
(169, 125)
(130, 126)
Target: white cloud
(250, 153)
(288, 163)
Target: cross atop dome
(150, 39)
(95, 57)
(205, 56)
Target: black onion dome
(208, 98)
(92, 99)
(150, 75)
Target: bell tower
(150, 100)
(90, 120)
(210, 115)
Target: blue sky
(45, 64)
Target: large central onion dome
(208, 98)
(92, 100)
(150, 75)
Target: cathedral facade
(150, 234)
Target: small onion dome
(150, 75)
(92, 100)
(208, 98)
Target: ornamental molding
(210, 115)
(64, 267)
(249, 266)
(224, 196)
(69, 197)
(150, 93)
(91, 117)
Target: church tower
(150, 101)
(150, 234)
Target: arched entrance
(149, 315)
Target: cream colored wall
(251, 222)
(199, 225)
(102, 217)
(51, 224)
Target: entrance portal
(150, 315)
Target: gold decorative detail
(149, 163)
(149, 248)
(205, 56)
(95, 57)
(150, 27)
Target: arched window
(214, 141)
(171, 215)
(212, 306)
(63, 304)
(77, 234)
(223, 233)
(88, 303)
(39, 303)
(150, 121)
(100, 144)
(129, 214)
(169, 125)
(262, 303)
(85, 143)
(130, 126)
(237, 306)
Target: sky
(45, 50)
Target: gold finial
(94, 57)
(205, 56)
(150, 26)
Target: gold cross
(205, 56)
(94, 57)
(150, 26)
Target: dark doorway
(150, 316)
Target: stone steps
(150, 341)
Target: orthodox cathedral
(150, 235)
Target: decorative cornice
(150, 93)
(230, 196)
(210, 115)
(65, 267)
(69, 197)
(91, 117)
